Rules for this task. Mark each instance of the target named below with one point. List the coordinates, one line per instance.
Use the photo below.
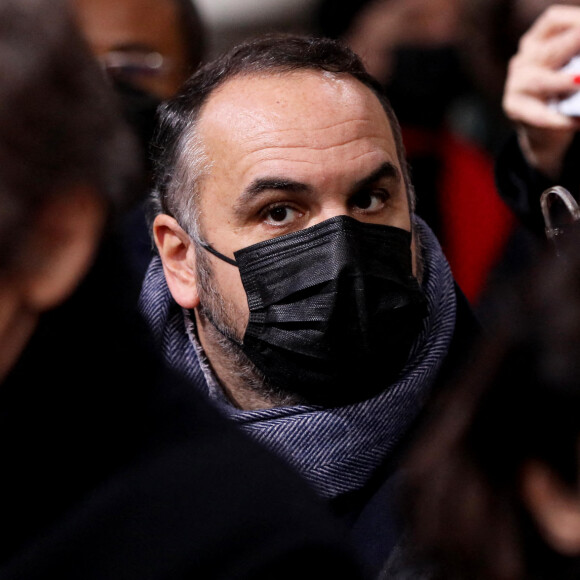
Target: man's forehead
(272, 99)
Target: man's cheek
(234, 297)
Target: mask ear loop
(217, 254)
(546, 202)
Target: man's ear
(554, 506)
(177, 252)
(58, 251)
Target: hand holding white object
(536, 79)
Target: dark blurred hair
(194, 32)
(518, 400)
(492, 32)
(333, 18)
(178, 154)
(59, 120)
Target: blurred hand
(534, 80)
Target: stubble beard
(218, 317)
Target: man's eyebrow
(386, 170)
(263, 184)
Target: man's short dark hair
(178, 155)
(60, 124)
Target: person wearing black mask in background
(295, 286)
(112, 467)
(153, 45)
(148, 48)
(415, 49)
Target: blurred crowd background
(498, 456)
(444, 63)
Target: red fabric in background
(475, 222)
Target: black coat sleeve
(521, 186)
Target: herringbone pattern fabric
(338, 449)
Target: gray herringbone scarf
(336, 450)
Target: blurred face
(287, 152)
(139, 41)
(52, 257)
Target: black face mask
(334, 309)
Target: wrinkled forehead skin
(325, 132)
(311, 118)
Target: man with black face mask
(294, 285)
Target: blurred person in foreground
(112, 467)
(493, 479)
(295, 286)
(494, 476)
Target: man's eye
(280, 215)
(369, 200)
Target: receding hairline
(193, 131)
(193, 134)
(283, 71)
(177, 175)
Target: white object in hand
(570, 106)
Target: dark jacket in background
(521, 186)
